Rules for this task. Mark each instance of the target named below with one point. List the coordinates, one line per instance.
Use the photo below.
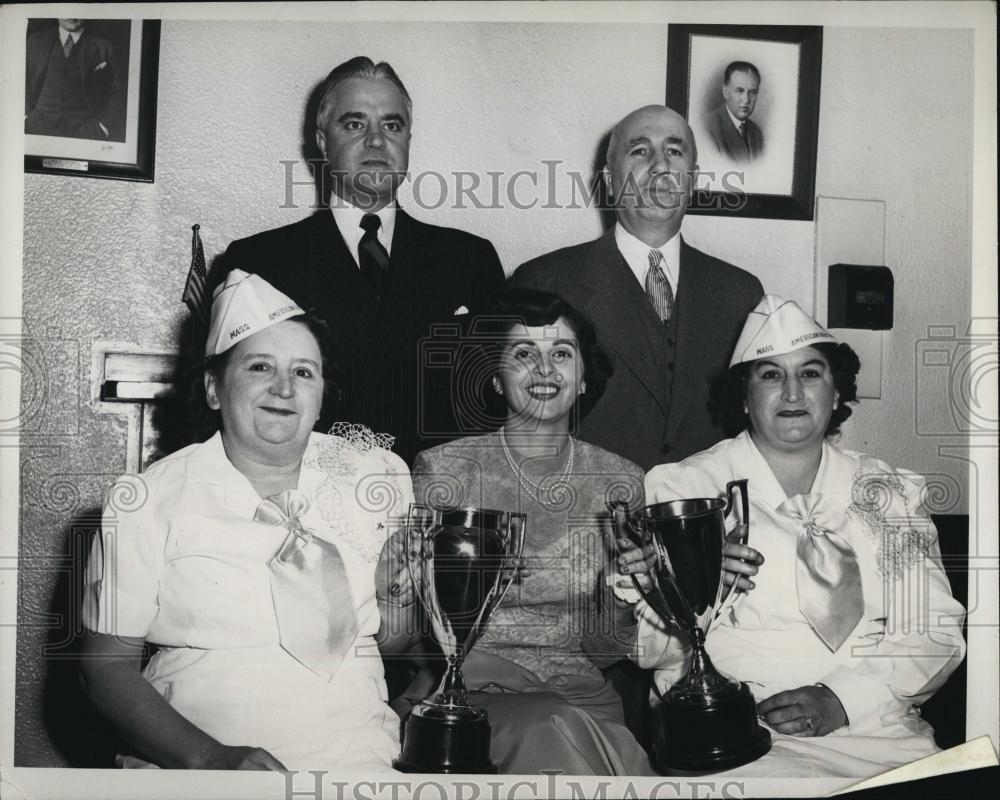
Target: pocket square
(459, 311)
(102, 65)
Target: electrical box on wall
(850, 232)
(859, 296)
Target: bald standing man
(668, 314)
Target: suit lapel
(411, 281)
(733, 135)
(86, 55)
(753, 139)
(622, 313)
(695, 309)
(331, 272)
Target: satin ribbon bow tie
(309, 587)
(285, 509)
(827, 575)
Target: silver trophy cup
(710, 720)
(460, 578)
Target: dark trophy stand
(447, 734)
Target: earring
(583, 387)
(497, 386)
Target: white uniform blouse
(181, 563)
(907, 642)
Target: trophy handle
(421, 520)
(415, 525)
(636, 530)
(741, 485)
(743, 519)
(515, 546)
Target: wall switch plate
(860, 296)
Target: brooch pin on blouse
(340, 456)
(899, 544)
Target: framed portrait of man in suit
(751, 96)
(90, 97)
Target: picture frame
(766, 167)
(119, 65)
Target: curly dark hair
(534, 308)
(206, 421)
(729, 389)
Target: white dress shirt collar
(636, 255)
(64, 35)
(348, 219)
(736, 122)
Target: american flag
(194, 289)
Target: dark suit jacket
(727, 139)
(636, 417)
(396, 360)
(102, 85)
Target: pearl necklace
(536, 490)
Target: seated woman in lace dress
(250, 560)
(549, 706)
(849, 623)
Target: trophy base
(446, 740)
(710, 733)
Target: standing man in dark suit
(669, 314)
(73, 85)
(381, 279)
(734, 134)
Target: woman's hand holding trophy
(740, 562)
(394, 579)
(690, 571)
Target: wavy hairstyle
(358, 67)
(534, 308)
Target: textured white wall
(896, 125)
(107, 260)
(505, 97)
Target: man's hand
(806, 711)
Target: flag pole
(196, 287)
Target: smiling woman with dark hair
(543, 309)
(549, 706)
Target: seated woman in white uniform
(848, 624)
(251, 561)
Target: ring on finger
(809, 723)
